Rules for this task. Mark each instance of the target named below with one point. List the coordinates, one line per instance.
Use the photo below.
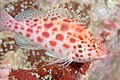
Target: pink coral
(108, 28)
(4, 73)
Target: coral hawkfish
(55, 31)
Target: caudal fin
(6, 21)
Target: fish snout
(102, 53)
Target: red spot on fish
(22, 28)
(45, 34)
(37, 31)
(79, 30)
(27, 20)
(89, 58)
(10, 20)
(58, 16)
(6, 22)
(81, 55)
(55, 29)
(66, 46)
(65, 7)
(53, 43)
(35, 20)
(32, 26)
(73, 57)
(80, 51)
(54, 18)
(76, 55)
(28, 35)
(46, 45)
(84, 49)
(30, 30)
(90, 34)
(20, 33)
(9, 26)
(52, 49)
(89, 54)
(39, 39)
(45, 19)
(53, 33)
(90, 49)
(16, 23)
(60, 51)
(74, 35)
(35, 24)
(39, 27)
(69, 33)
(32, 40)
(52, 14)
(60, 37)
(64, 27)
(72, 40)
(80, 37)
(48, 25)
(74, 47)
(27, 24)
(66, 20)
(77, 20)
(82, 42)
(85, 36)
(16, 27)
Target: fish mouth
(102, 53)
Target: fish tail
(6, 21)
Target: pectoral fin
(25, 43)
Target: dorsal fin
(64, 12)
(58, 11)
(29, 14)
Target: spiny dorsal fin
(29, 14)
(58, 11)
(65, 12)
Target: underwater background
(100, 17)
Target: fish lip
(102, 53)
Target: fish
(56, 30)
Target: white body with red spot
(65, 40)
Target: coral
(7, 45)
(4, 73)
(35, 56)
(15, 60)
(52, 72)
(13, 8)
(22, 75)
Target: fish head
(89, 50)
(99, 51)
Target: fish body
(62, 38)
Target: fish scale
(63, 38)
